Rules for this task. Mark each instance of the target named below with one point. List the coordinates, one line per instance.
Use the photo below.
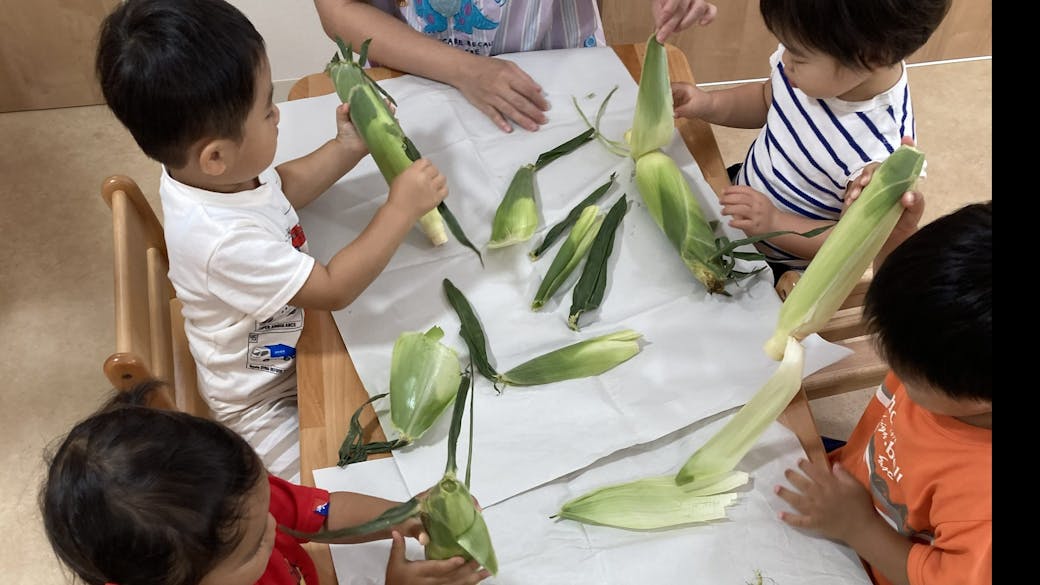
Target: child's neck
(206, 183)
(983, 421)
(879, 81)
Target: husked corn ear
(848, 250)
(671, 203)
(570, 254)
(424, 378)
(455, 526)
(653, 503)
(391, 149)
(578, 360)
(654, 122)
(722, 452)
(516, 218)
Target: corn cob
(654, 122)
(721, 453)
(653, 503)
(570, 254)
(578, 360)
(424, 378)
(848, 251)
(448, 513)
(391, 149)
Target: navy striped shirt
(811, 148)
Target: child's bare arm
(743, 106)
(829, 500)
(754, 214)
(307, 177)
(413, 193)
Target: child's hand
(829, 501)
(752, 212)
(453, 571)
(688, 100)
(418, 189)
(346, 134)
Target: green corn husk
(722, 452)
(572, 216)
(654, 122)
(654, 503)
(674, 208)
(578, 360)
(848, 251)
(592, 284)
(424, 378)
(570, 254)
(448, 513)
(516, 218)
(391, 149)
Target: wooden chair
(862, 369)
(150, 338)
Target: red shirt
(300, 508)
(931, 478)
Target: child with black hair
(837, 100)
(140, 496)
(912, 490)
(191, 81)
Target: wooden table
(328, 385)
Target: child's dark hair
(177, 71)
(135, 495)
(931, 304)
(859, 34)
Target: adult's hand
(671, 16)
(504, 92)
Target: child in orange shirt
(912, 490)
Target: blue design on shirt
(590, 41)
(465, 15)
(322, 510)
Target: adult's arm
(498, 88)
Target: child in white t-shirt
(192, 82)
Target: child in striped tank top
(836, 103)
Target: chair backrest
(150, 338)
(862, 369)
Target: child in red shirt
(138, 496)
(912, 490)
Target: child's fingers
(907, 141)
(799, 481)
(796, 520)
(795, 499)
(396, 549)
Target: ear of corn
(654, 122)
(516, 218)
(674, 208)
(449, 514)
(391, 149)
(652, 503)
(570, 254)
(848, 251)
(727, 447)
(578, 360)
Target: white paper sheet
(534, 549)
(702, 354)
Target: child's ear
(216, 156)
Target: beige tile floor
(56, 273)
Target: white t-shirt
(811, 148)
(236, 259)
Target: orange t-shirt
(931, 478)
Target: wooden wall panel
(47, 53)
(737, 45)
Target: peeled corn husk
(848, 250)
(516, 218)
(654, 123)
(424, 378)
(578, 360)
